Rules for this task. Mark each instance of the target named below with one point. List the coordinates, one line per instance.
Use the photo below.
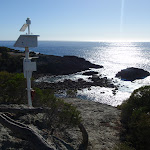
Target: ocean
(114, 56)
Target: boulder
(90, 73)
(131, 74)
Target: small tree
(61, 114)
(136, 118)
(12, 87)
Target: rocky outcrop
(78, 84)
(131, 74)
(10, 60)
(90, 73)
(57, 65)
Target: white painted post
(28, 77)
(29, 89)
(27, 41)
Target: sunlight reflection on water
(103, 95)
(114, 57)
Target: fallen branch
(24, 132)
(24, 110)
(84, 144)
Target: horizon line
(107, 41)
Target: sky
(77, 20)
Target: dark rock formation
(131, 74)
(79, 84)
(10, 60)
(90, 73)
(57, 65)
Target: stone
(131, 74)
(90, 73)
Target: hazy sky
(77, 20)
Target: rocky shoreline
(102, 123)
(69, 84)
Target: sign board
(29, 66)
(26, 41)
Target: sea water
(114, 56)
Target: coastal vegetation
(12, 87)
(8, 62)
(13, 91)
(135, 118)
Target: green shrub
(12, 88)
(60, 112)
(123, 146)
(4, 49)
(135, 117)
(71, 93)
(10, 63)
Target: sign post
(27, 41)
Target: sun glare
(121, 16)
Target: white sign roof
(26, 41)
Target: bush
(10, 63)
(135, 117)
(71, 93)
(60, 112)
(4, 49)
(123, 146)
(12, 87)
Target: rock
(79, 84)
(95, 78)
(131, 74)
(80, 80)
(90, 73)
(57, 65)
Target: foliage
(12, 87)
(123, 146)
(9, 63)
(13, 91)
(136, 118)
(71, 93)
(4, 49)
(60, 112)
